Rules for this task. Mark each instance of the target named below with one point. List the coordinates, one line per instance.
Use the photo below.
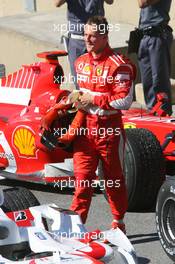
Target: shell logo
(24, 142)
(87, 68)
(129, 125)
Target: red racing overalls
(110, 80)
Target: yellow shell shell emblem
(87, 68)
(24, 141)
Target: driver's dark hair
(101, 23)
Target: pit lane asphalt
(141, 228)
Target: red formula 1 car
(26, 96)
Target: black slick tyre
(144, 168)
(18, 198)
(165, 217)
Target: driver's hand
(86, 99)
(74, 96)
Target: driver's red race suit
(110, 80)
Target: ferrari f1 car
(25, 153)
(32, 233)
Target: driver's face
(95, 42)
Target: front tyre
(165, 217)
(18, 198)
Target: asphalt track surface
(141, 228)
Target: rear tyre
(18, 198)
(144, 168)
(165, 217)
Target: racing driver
(105, 79)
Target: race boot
(118, 224)
(114, 225)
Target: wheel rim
(168, 220)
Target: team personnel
(106, 81)
(154, 53)
(78, 12)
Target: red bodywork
(26, 95)
(162, 127)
